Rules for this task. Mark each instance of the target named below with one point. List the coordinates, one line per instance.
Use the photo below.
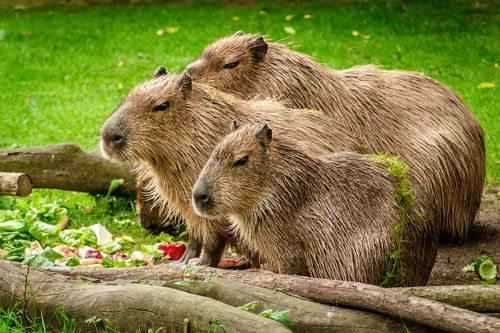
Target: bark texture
(389, 302)
(305, 316)
(67, 167)
(124, 307)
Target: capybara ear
(264, 135)
(234, 125)
(258, 48)
(185, 84)
(160, 71)
(239, 33)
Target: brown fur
(172, 146)
(330, 217)
(401, 113)
(153, 216)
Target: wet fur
(171, 148)
(172, 153)
(402, 113)
(330, 217)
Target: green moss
(405, 199)
(399, 171)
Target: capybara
(153, 216)
(168, 126)
(330, 217)
(401, 113)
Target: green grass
(63, 70)
(13, 321)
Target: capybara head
(158, 106)
(233, 179)
(229, 63)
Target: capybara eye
(231, 65)
(161, 107)
(242, 161)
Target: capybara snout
(114, 135)
(202, 197)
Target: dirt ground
(484, 240)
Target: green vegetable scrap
(79, 237)
(279, 316)
(485, 268)
(12, 226)
(46, 258)
(114, 185)
(32, 232)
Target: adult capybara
(168, 126)
(153, 216)
(328, 217)
(402, 113)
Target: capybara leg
(294, 265)
(193, 251)
(151, 217)
(212, 252)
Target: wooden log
(389, 302)
(125, 307)
(67, 167)
(305, 316)
(479, 298)
(12, 183)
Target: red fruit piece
(88, 252)
(172, 251)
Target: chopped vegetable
(35, 232)
(42, 231)
(172, 251)
(102, 234)
(485, 268)
(79, 237)
(89, 253)
(111, 247)
(72, 262)
(12, 226)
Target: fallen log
(13, 183)
(67, 167)
(305, 316)
(479, 298)
(357, 295)
(125, 307)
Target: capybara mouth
(206, 210)
(113, 153)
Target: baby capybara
(327, 217)
(402, 113)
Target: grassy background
(62, 71)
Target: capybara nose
(114, 140)
(201, 198)
(201, 195)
